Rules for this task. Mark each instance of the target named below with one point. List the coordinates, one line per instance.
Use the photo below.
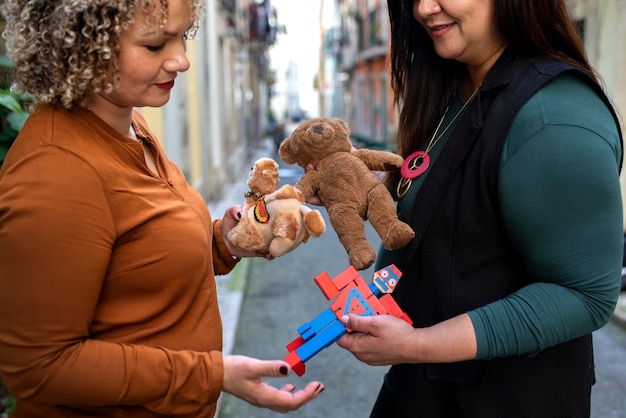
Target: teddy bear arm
(308, 185)
(379, 160)
(286, 191)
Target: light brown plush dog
(274, 221)
(346, 186)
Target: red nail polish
(283, 370)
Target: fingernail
(283, 370)
(320, 390)
(239, 215)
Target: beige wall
(605, 31)
(610, 57)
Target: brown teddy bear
(345, 184)
(274, 221)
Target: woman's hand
(243, 378)
(379, 340)
(383, 340)
(229, 221)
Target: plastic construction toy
(353, 296)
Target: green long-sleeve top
(559, 194)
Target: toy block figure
(353, 296)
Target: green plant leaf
(16, 119)
(9, 101)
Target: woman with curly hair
(511, 182)
(107, 290)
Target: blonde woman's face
(150, 60)
(463, 30)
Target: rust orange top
(108, 303)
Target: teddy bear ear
(343, 124)
(284, 152)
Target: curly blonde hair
(65, 50)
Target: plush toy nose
(318, 129)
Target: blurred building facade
(356, 53)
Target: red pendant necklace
(418, 162)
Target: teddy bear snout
(325, 131)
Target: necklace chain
(431, 144)
(417, 163)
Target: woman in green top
(511, 183)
